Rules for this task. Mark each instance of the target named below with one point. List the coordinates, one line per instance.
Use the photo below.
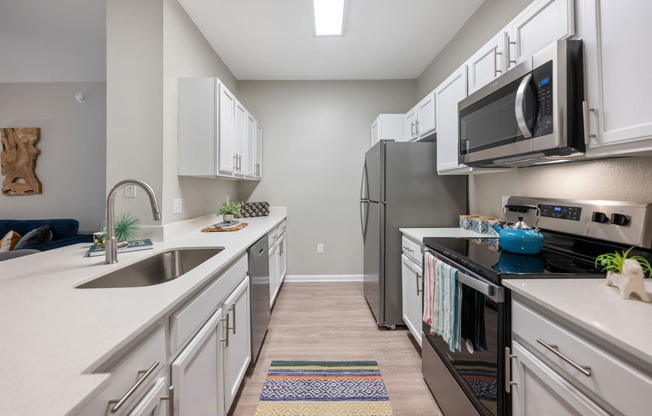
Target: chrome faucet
(111, 243)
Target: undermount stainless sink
(160, 268)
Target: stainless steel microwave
(530, 115)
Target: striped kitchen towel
(443, 302)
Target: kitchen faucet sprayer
(111, 243)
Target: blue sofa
(64, 231)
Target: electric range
(474, 380)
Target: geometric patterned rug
(324, 388)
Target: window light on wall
(329, 17)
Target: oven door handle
(496, 293)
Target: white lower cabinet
(197, 374)
(237, 344)
(274, 277)
(277, 261)
(558, 371)
(283, 259)
(412, 292)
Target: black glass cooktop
(479, 256)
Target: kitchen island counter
(54, 336)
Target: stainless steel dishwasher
(259, 290)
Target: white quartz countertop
(418, 234)
(54, 335)
(596, 308)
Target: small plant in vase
(626, 273)
(229, 210)
(126, 227)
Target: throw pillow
(9, 241)
(35, 237)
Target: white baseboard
(313, 278)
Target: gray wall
(314, 138)
(71, 163)
(489, 19)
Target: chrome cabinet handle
(419, 290)
(133, 388)
(555, 350)
(235, 163)
(170, 399)
(234, 324)
(416, 124)
(519, 106)
(496, 70)
(408, 249)
(585, 120)
(226, 339)
(509, 53)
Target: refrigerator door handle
(364, 185)
(364, 213)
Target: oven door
(479, 368)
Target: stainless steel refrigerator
(401, 189)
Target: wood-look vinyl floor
(331, 321)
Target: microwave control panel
(561, 211)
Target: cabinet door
(542, 23)
(487, 63)
(227, 132)
(237, 347)
(282, 259)
(410, 125)
(449, 94)
(251, 148)
(538, 390)
(259, 151)
(618, 32)
(412, 288)
(155, 402)
(274, 278)
(197, 375)
(240, 139)
(426, 115)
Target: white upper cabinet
(616, 42)
(212, 132)
(259, 151)
(539, 25)
(419, 122)
(449, 93)
(387, 127)
(486, 64)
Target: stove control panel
(618, 221)
(561, 212)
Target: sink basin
(160, 268)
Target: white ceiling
(273, 39)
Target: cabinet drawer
(411, 249)
(276, 232)
(144, 361)
(611, 380)
(189, 318)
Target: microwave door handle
(519, 107)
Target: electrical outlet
(178, 203)
(320, 248)
(130, 191)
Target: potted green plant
(126, 227)
(229, 210)
(625, 272)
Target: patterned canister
(465, 221)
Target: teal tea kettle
(520, 238)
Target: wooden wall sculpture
(18, 160)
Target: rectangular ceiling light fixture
(329, 17)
